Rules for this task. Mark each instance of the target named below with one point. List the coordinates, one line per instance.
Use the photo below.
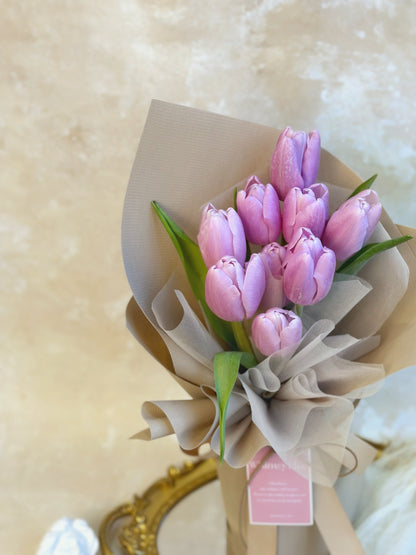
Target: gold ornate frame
(145, 513)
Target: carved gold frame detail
(145, 513)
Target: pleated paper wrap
(186, 158)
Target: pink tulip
(221, 233)
(349, 228)
(276, 330)
(295, 161)
(273, 256)
(232, 292)
(259, 209)
(308, 269)
(305, 208)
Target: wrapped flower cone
(302, 403)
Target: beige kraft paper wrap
(185, 158)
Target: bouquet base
(247, 539)
(335, 508)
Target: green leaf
(188, 252)
(196, 271)
(365, 185)
(354, 264)
(248, 360)
(226, 366)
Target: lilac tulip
(308, 269)
(232, 292)
(276, 330)
(221, 233)
(305, 208)
(295, 161)
(273, 256)
(259, 209)
(352, 224)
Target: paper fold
(302, 401)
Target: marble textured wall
(77, 79)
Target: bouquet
(267, 325)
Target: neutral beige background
(76, 82)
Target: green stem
(299, 310)
(243, 342)
(248, 251)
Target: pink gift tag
(278, 495)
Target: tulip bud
(232, 292)
(295, 161)
(351, 225)
(276, 330)
(221, 233)
(305, 208)
(308, 269)
(273, 256)
(259, 209)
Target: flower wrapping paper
(186, 158)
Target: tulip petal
(285, 166)
(324, 274)
(374, 212)
(254, 285)
(313, 217)
(298, 282)
(271, 214)
(321, 192)
(265, 336)
(221, 234)
(259, 209)
(299, 140)
(289, 212)
(218, 240)
(292, 333)
(290, 166)
(273, 256)
(250, 211)
(345, 230)
(238, 237)
(373, 218)
(222, 296)
(310, 162)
